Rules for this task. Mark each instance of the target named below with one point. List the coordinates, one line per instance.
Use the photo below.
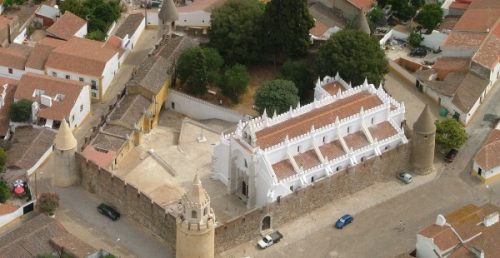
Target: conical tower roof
(198, 193)
(425, 122)
(168, 11)
(64, 138)
(362, 23)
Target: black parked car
(450, 156)
(108, 211)
(418, 52)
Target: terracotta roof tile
(82, 56)
(204, 5)
(332, 150)
(66, 26)
(356, 140)
(130, 25)
(469, 92)
(319, 28)
(458, 39)
(382, 131)
(307, 160)
(364, 5)
(130, 110)
(319, 117)
(477, 20)
(4, 21)
(51, 86)
(283, 169)
(29, 145)
(457, 5)
(487, 157)
(488, 53)
(14, 56)
(7, 208)
(333, 88)
(445, 65)
(102, 158)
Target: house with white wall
(68, 26)
(272, 156)
(13, 60)
(196, 15)
(87, 61)
(38, 57)
(486, 164)
(470, 231)
(130, 30)
(54, 99)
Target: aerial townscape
(249, 128)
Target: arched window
(205, 211)
(194, 215)
(266, 222)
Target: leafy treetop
(276, 96)
(430, 16)
(450, 134)
(354, 55)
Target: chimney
(491, 219)
(440, 220)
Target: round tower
(65, 144)
(424, 133)
(195, 224)
(167, 17)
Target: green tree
(301, 75)
(48, 202)
(276, 96)
(5, 191)
(205, 71)
(430, 16)
(96, 35)
(354, 55)
(235, 30)
(235, 82)
(74, 6)
(3, 158)
(196, 83)
(20, 111)
(450, 134)
(417, 4)
(286, 27)
(402, 9)
(376, 16)
(214, 64)
(415, 39)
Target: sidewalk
(315, 221)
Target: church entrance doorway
(266, 223)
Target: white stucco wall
(73, 76)
(36, 71)
(200, 109)
(152, 17)
(16, 73)
(78, 113)
(457, 52)
(82, 32)
(109, 72)
(137, 34)
(434, 40)
(425, 247)
(486, 173)
(193, 19)
(7, 218)
(39, 162)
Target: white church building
(270, 157)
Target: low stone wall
(127, 199)
(139, 207)
(322, 192)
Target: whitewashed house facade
(269, 157)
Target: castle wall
(322, 192)
(128, 200)
(139, 207)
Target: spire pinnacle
(64, 138)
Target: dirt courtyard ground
(181, 154)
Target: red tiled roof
(446, 65)
(319, 28)
(203, 5)
(333, 88)
(102, 158)
(4, 21)
(319, 117)
(382, 131)
(477, 20)
(66, 26)
(487, 157)
(51, 86)
(14, 56)
(364, 5)
(488, 53)
(332, 150)
(82, 56)
(307, 160)
(7, 208)
(457, 5)
(464, 39)
(283, 169)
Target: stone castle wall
(139, 207)
(322, 192)
(127, 199)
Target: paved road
(376, 231)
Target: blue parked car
(344, 221)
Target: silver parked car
(405, 177)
